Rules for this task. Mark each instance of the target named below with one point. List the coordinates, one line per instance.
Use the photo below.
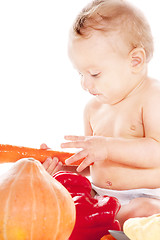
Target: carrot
(9, 153)
(107, 237)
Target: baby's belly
(119, 177)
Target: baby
(110, 46)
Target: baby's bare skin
(123, 120)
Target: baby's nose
(87, 83)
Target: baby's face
(104, 65)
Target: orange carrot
(9, 153)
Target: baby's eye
(95, 74)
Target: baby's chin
(108, 100)
(102, 99)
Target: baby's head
(110, 45)
(119, 16)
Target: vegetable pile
(94, 216)
(33, 205)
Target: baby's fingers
(50, 161)
(76, 157)
(87, 162)
(77, 144)
(52, 165)
(44, 146)
(74, 138)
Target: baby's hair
(116, 15)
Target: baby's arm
(141, 152)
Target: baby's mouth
(94, 93)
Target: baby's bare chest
(121, 121)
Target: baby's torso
(123, 120)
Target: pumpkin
(33, 205)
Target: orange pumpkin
(33, 205)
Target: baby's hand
(51, 165)
(94, 148)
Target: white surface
(41, 99)
(4, 167)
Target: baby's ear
(137, 59)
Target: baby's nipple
(133, 127)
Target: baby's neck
(139, 80)
(138, 87)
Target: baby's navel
(109, 184)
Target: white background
(41, 98)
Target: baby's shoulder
(152, 94)
(93, 104)
(153, 89)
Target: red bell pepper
(94, 215)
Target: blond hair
(113, 15)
